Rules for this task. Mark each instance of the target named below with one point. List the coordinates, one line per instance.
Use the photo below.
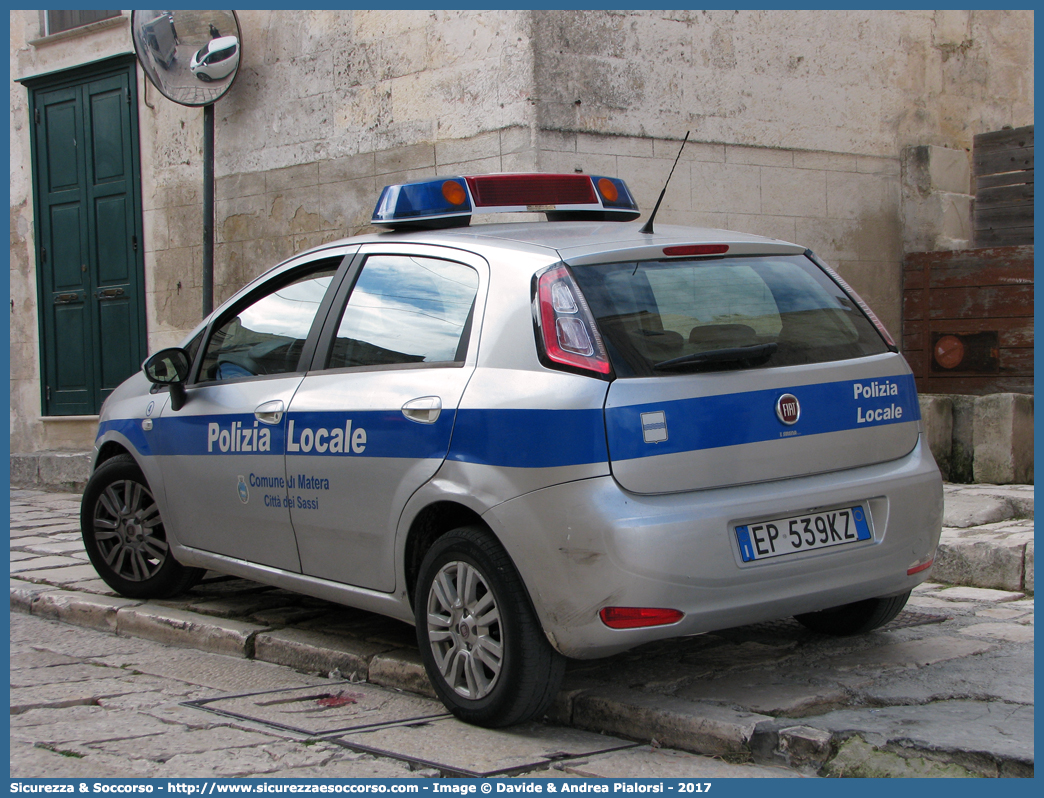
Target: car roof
(580, 241)
(222, 43)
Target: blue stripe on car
(711, 422)
(543, 438)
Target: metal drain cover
(319, 711)
(460, 750)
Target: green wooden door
(88, 215)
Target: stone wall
(980, 438)
(844, 207)
(868, 82)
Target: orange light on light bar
(608, 189)
(454, 192)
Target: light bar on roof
(451, 201)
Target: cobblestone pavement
(946, 689)
(90, 704)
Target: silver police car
(533, 441)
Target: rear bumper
(589, 544)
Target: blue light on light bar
(424, 204)
(451, 201)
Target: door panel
(89, 228)
(67, 255)
(63, 275)
(224, 465)
(209, 447)
(61, 114)
(111, 233)
(368, 432)
(114, 319)
(108, 148)
(345, 504)
(69, 377)
(118, 311)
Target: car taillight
(566, 331)
(638, 617)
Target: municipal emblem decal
(150, 408)
(654, 427)
(788, 409)
(244, 492)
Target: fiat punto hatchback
(533, 441)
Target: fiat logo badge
(788, 409)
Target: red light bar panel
(697, 249)
(506, 190)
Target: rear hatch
(739, 369)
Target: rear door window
(678, 316)
(404, 310)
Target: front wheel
(124, 534)
(857, 618)
(482, 645)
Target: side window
(193, 346)
(405, 309)
(267, 336)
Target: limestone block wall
(844, 207)
(266, 216)
(867, 82)
(324, 103)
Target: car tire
(480, 640)
(857, 618)
(125, 537)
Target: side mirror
(170, 367)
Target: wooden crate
(1003, 166)
(968, 320)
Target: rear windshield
(679, 316)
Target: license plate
(807, 532)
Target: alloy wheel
(129, 531)
(465, 630)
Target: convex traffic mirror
(192, 57)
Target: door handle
(65, 299)
(109, 293)
(270, 412)
(424, 410)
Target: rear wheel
(124, 534)
(855, 619)
(479, 638)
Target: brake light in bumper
(638, 617)
(922, 564)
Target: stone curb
(81, 609)
(188, 630)
(981, 559)
(310, 651)
(706, 729)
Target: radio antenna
(648, 226)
